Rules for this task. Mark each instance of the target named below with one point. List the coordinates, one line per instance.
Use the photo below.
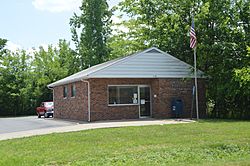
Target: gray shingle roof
(150, 63)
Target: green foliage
(199, 143)
(2, 45)
(24, 77)
(222, 29)
(243, 76)
(163, 24)
(50, 66)
(223, 36)
(121, 43)
(94, 26)
(14, 83)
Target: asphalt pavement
(30, 126)
(10, 125)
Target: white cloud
(113, 2)
(56, 6)
(13, 46)
(118, 27)
(116, 20)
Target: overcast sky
(31, 23)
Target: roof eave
(55, 84)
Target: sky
(33, 23)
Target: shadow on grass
(222, 120)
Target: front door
(145, 108)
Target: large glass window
(123, 95)
(73, 90)
(65, 91)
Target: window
(48, 104)
(123, 95)
(73, 90)
(65, 91)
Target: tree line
(223, 50)
(24, 76)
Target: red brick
(165, 89)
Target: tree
(223, 44)
(2, 45)
(24, 77)
(14, 83)
(222, 29)
(94, 26)
(67, 57)
(163, 24)
(49, 66)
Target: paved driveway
(10, 125)
(30, 126)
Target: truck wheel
(39, 116)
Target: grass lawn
(201, 143)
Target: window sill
(73, 97)
(115, 105)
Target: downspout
(52, 98)
(88, 99)
(52, 92)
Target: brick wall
(164, 89)
(169, 89)
(75, 108)
(99, 100)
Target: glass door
(145, 107)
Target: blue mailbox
(177, 107)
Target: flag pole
(193, 44)
(192, 106)
(196, 85)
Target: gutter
(88, 98)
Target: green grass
(202, 143)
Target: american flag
(192, 36)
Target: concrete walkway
(92, 125)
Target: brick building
(145, 84)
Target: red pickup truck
(46, 109)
